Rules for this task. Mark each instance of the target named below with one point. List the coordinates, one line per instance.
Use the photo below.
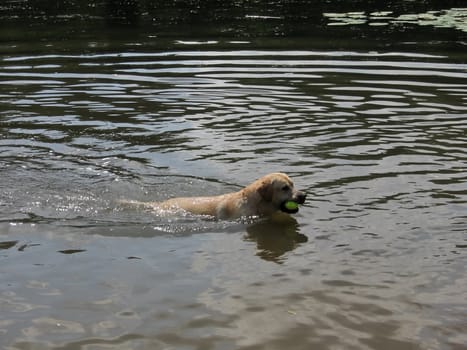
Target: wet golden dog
(263, 197)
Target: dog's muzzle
(299, 197)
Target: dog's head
(276, 189)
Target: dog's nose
(300, 197)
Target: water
(375, 134)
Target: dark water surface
(375, 131)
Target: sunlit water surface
(375, 258)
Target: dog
(264, 197)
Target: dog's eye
(285, 188)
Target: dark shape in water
(71, 251)
(7, 244)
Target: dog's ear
(266, 190)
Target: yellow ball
(291, 205)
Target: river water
(374, 132)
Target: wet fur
(261, 198)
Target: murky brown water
(376, 137)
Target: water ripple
(340, 118)
(376, 139)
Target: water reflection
(275, 237)
(452, 18)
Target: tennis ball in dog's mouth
(290, 207)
